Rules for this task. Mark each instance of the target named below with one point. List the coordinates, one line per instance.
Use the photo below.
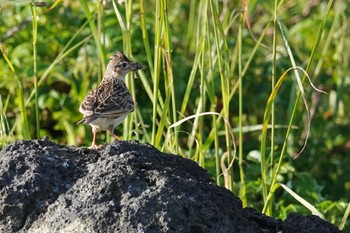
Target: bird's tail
(82, 121)
(87, 119)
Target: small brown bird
(108, 105)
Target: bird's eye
(124, 65)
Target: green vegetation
(237, 88)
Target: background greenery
(223, 67)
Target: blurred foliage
(320, 175)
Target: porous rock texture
(124, 187)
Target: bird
(107, 106)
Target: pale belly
(105, 123)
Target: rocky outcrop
(125, 187)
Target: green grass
(235, 88)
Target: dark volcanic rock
(32, 176)
(305, 224)
(125, 187)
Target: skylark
(108, 105)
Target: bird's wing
(88, 106)
(113, 99)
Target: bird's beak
(136, 66)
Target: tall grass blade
(62, 54)
(156, 70)
(20, 98)
(145, 37)
(125, 27)
(318, 38)
(273, 83)
(268, 108)
(178, 123)
(222, 65)
(242, 192)
(305, 203)
(267, 115)
(35, 33)
(94, 32)
(345, 217)
(5, 136)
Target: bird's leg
(110, 130)
(93, 144)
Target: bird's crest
(119, 56)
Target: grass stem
(35, 33)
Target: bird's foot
(96, 147)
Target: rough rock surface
(125, 187)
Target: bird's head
(119, 65)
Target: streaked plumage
(108, 105)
